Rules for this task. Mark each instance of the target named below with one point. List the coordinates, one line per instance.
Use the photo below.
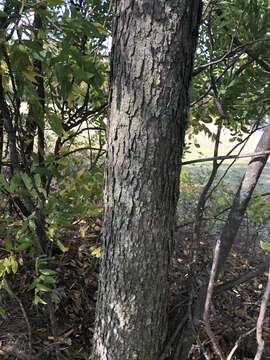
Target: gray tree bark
(243, 196)
(152, 60)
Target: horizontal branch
(259, 61)
(94, 112)
(82, 149)
(244, 48)
(225, 157)
(250, 275)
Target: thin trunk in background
(10, 130)
(1, 140)
(261, 318)
(35, 119)
(229, 232)
(200, 210)
(243, 196)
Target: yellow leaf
(3, 68)
(64, 149)
(80, 173)
(31, 75)
(96, 251)
(70, 99)
(83, 230)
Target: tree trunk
(229, 233)
(204, 196)
(35, 119)
(243, 196)
(9, 127)
(153, 48)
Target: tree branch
(208, 301)
(259, 331)
(241, 279)
(225, 157)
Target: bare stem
(208, 301)
(259, 331)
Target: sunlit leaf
(265, 245)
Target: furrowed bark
(153, 48)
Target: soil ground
(63, 329)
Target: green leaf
(47, 272)
(96, 251)
(265, 245)
(100, 28)
(38, 182)
(25, 244)
(8, 245)
(4, 183)
(61, 246)
(15, 183)
(2, 312)
(42, 287)
(33, 284)
(47, 279)
(38, 300)
(55, 124)
(27, 181)
(32, 225)
(14, 266)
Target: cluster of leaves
(53, 96)
(230, 72)
(8, 265)
(44, 280)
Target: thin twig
(228, 54)
(231, 64)
(208, 301)
(243, 143)
(29, 330)
(247, 276)
(225, 157)
(14, 351)
(229, 357)
(168, 347)
(28, 325)
(82, 149)
(259, 330)
(194, 330)
(53, 329)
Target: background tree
(230, 90)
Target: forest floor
(63, 329)
(234, 311)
